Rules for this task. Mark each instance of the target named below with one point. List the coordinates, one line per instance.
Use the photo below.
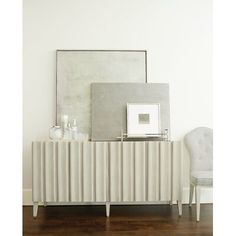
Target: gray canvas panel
(109, 102)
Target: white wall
(176, 34)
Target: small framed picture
(143, 119)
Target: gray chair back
(199, 143)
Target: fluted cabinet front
(106, 171)
(145, 171)
(70, 171)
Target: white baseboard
(206, 196)
(27, 197)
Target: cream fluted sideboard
(138, 172)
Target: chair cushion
(204, 178)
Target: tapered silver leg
(35, 209)
(197, 197)
(180, 207)
(45, 204)
(191, 194)
(107, 209)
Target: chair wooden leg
(197, 198)
(191, 189)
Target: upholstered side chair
(199, 143)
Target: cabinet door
(70, 171)
(95, 171)
(144, 171)
(159, 171)
(128, 180)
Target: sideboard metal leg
(45, 204)
(35, 209)
(107, 209)
(180, 207)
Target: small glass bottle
(74, 129)
(166, 134)
(64, 121)
(67, 134)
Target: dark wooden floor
(149, 220)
